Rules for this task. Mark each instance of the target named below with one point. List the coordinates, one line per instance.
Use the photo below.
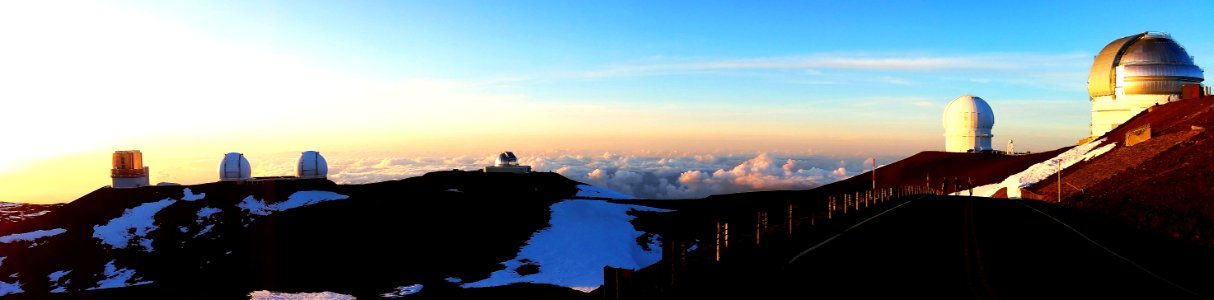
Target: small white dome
(506, 159)
(312, 165)
(235, 167)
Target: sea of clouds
(645, 176)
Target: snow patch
(455, 190)
(987, 190)
(454, 280)
(56, 286)
(56, 275)
(134, 224)
(298, 199)
(205, 230)
(585, 289)
(117, 277)
(205, 212)
(31, 236)
(590, 191)
(189, 195)
(401, 291)
(10, 288)
(584, 236)
(268, 295)
(1044, 169)
(1098, 152)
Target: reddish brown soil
(914, 171)
(1164, 185)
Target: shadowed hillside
(223, 240)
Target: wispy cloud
(816, 64)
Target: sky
(668, 93)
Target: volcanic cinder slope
(1164, 185)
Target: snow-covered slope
(1043, 170)
(582, 238)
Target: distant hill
(442, 235)
(1164, 184)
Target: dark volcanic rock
(12, 213)
(419, 230)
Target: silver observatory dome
(1149, 63)
(311, 165)
(235, 167)
(506, 159)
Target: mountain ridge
(437, 230)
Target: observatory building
(235, 167)
(312, 165)
(967, 125)
(129, 171)
(1136, 72)
(507, 163)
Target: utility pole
(1058, 164)
(874, 173)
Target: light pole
(1058, 165)
(874, 173)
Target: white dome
(506, 159)
(312, 165)
(235, 167)
(967, 124)
(968, 112)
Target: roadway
(971, 248)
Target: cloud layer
(644, 176)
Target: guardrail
(757, 235)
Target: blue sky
(478, 38)
(450, 78)
(717, 54)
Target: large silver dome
(1144, 63)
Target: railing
(754, 236)
(128, 173)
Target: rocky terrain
(1164, 185)
(11, 213)
(443, 235)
